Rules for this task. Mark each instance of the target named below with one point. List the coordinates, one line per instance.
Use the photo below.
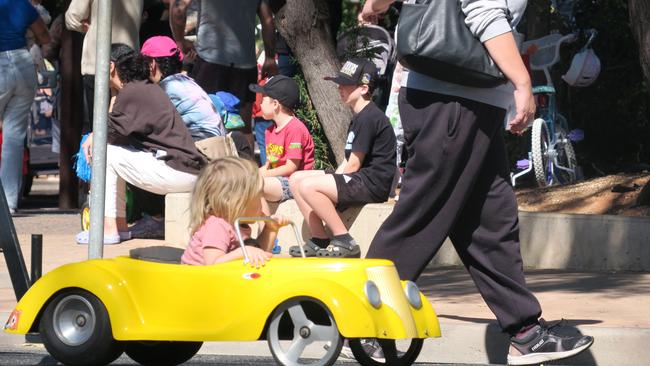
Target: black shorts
(214, 77)
(352, 191)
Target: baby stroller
(375, 43)
(41, 150)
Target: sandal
(338, 249)
(310, 248)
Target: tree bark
(639, 11)
(71, 117)
(303, 24)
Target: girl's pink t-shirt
(214, 233)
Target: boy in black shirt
(364, 177)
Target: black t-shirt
(370, 133)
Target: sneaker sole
(537, 358)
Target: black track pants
(457, 184)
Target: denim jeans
(261, 125)
(17, 90)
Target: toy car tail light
(413, 294)
(372, 293)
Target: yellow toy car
(88, 313)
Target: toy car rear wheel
(391, 353)
(85, 216)
(303, 332)
(161, 353)
(76, 330)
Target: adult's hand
(372, 8)
(269, 68)
(525, 110)
(188, 49)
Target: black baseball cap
(280, 87)
(356, 71)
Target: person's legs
(140, 169)
(238, 85)
(261, 125)
(435, 185)
(272, 189)
(319, 238)
(321, 195)
(486, 234)
(312, 219)
(17, 90)
(89, 102)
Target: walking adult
(81, 16)
(18, 84)
(457, 184)
(225, 48)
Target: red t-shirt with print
(293, 141)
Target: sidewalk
(613, 307)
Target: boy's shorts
(352, 191)
(286, 191)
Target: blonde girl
(226, 189)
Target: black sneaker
(547, 342)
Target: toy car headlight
(413, 294)
(372, 293)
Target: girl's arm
(286, 170)
(270, 232)
(354, 162)
(256, 256)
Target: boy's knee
(306, 187)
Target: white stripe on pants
(142, 170)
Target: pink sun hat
(160, 46)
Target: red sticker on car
(12, 322)
(251, 276)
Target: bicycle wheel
(566, 163)
(540, 145)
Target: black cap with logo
(356, 71)
(280, 87)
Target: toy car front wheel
(303, 332)
(377, 352)
(161, 353)
(76, 330)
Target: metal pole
(37, 257)
(11, 249)
(100, 120)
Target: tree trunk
(71, 116)
(303, 24)
(640, 24)
(639, 11)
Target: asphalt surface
(36, 355)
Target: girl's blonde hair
(224, 189)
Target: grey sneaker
(370, 346)
(547, 342)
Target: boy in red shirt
(289, 145)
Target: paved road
(36, 355)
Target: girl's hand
(257, 257)
(278, 222)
